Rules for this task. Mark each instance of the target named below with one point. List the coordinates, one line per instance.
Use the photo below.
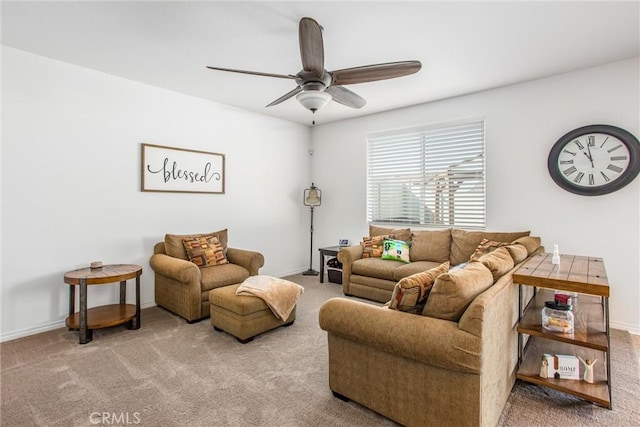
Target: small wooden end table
(329, 251)
(86, 320)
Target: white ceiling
(463, 46)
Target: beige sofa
(374, 278)
(443, 367)
(183, 288)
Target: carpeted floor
(171, 373)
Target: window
(432, 176)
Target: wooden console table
(86, 320)
(591, 337)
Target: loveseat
(454, 363)
(182, 287)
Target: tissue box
(567, 366)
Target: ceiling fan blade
(346, 97)
(371, 73)
(255, 73)
(286, 96)
(311, 46)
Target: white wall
(71, 183)
(522, 123)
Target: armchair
(183, 288)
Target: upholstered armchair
(182, 286)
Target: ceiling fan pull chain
(313, 121)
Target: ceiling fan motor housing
(308, 80)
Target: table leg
(123, 292)
(608, 354)
(321, 266)
(136, 325)
(85, 334)
(72, 300)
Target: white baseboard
(632, 329)
(49, 326)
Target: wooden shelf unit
(591, 336)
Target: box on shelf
(335, 276)
(567, 367)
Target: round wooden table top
(106, 274)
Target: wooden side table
(591, 336)
(86, 320)
(328, 251)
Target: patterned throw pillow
(396, 250)
(410, 293)
(373, 246)
(205, 251)
(485, 247)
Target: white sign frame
(179, 170)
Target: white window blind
(432, 176)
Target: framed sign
(177, 170)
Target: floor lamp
(312, 198)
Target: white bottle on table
(555, 259)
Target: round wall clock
(594, 160)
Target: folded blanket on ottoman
(279, 294)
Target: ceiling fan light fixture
(313, 99)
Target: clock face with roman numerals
(594, 160)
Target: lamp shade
(313, 99)
(312, 196)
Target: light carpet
(171, 373)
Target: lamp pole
(312, 198)
(311, 271)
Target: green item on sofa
(396, 250)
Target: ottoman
(242, 316)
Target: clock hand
(589, 155)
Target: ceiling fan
(317, 86)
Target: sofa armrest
(250, 260)
(347, 256)
(435, 342)
(175, 268)
(159, 248)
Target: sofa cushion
(518, 252)
(485, 247)
(464, 242)
(406, 270)
(173, 242)
(498, 261)
(530, 242)
(396, 250)
(410, 293)
(393, 233)
(221, 275)
(205, 251)
(375, 267)
(452, 292)
(430, 245)
(373, 246)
